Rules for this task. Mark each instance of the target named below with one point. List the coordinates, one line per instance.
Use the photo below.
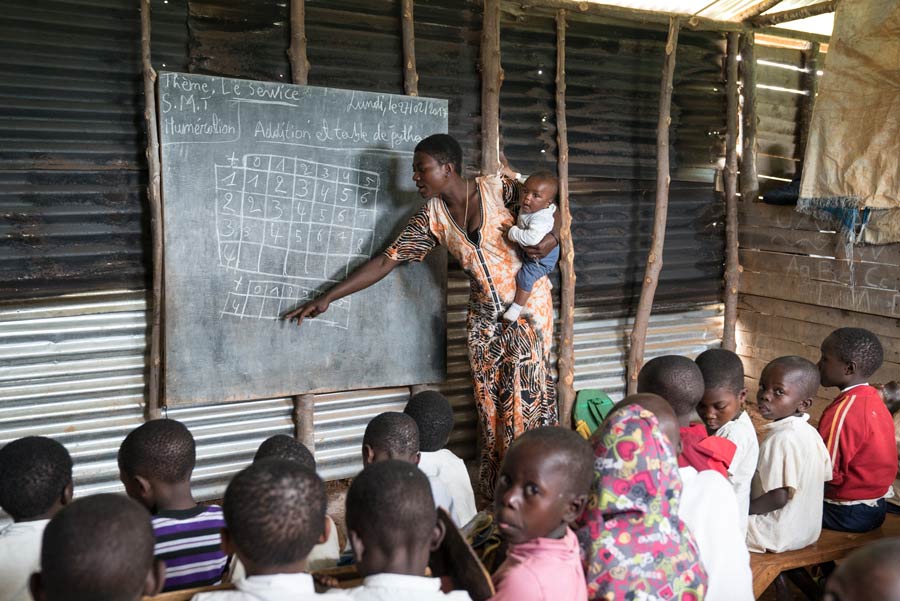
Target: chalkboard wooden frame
(271, 193)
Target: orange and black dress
(510, 363)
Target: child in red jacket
(858, 431)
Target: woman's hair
(444, 149)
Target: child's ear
(850, 368)
(742, 396)
(575, 508)
(228, 546)
(156, 578)
(805, 404)
(417, 458)
(37, 587)
(67, 493)
(357, 545)
(326, 531)
(368, 455)
(144, 487)
(437, 535)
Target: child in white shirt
(722, 410)
(393, 527)
(535, 221)
(434, 416)
(274, 515)
(789, 485)
(35, 483)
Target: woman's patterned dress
(510, 366)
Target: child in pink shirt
(543, 486)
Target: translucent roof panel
(728, 10)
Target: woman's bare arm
(369, 273)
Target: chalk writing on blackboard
(303, 221)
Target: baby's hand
(504, 229)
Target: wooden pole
(303, 418)
(756, 9)
(566, 362)
(794, 14)
(297, 50)
(154, 396)
(732, 266)
(410, 77)
(491, 78)
(655, 257)
(811, 83)
(749, 173)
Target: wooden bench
(831, 546)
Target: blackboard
(272, 193)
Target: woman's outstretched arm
(370, 272)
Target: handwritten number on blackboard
(276, 207)
(227, 206)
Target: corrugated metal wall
(71, 149)
(74, 368)
(783, 89)
(612, 78)
(72, 193)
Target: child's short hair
(804, 370)
(444, 149)
(549, 177)
(99, 547)
(34, 472)
(721, 368)
(394, 434)
(870, 572)
(858, 345)
(434, 418)
(578, 454)
(161, 449)
(389, 505)
(676, 379)
(282, 446)
(890, 392)
(275, 511)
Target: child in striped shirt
(155, 465)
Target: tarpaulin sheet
(853, 156)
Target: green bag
(591, 407)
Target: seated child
(709, 509)
(281, 446)
(630, 534)
(542, 487)
(434, 417)
(99, 547)
(871, 573)
(786, 496)
(274, 514)
(858, 431)
(35, 483)
(890, 394)
(155, 465)
(722, 410)
(393, 526)
(535, 221)
(393, 435)
(679, 381)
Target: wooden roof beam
(636, 15)
(794, 14)
(756, 10)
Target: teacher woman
(510, 364)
